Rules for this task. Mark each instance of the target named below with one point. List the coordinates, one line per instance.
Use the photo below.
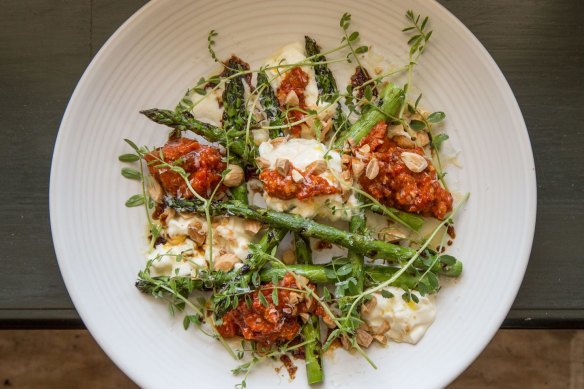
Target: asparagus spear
(327, 86)
(303, 251)
(357, 226)
(393, 99)
(363, 244)
(234, 111)
(270, 104)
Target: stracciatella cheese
(301, 153)
(229, 236)
(399, 320)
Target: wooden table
(45, 46)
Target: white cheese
(301, 153)
(207, 108)
(179, 259)
(402, 321)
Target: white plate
(160, 52)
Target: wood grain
(45, 46)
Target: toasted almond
(351, 142)
(292, 99)
(404, 141)
(328, 321)
(289, 257)
(282, 166)
(345, 342)
(413, 161)
(392, 234)
(345, 158)
(225, 262)
(259, 136)
(252, 226)
(422, 139)
(304, 316)
(301, 281)
(262, 163)
(365, 149)
(194, 230)
(295, 298)
(296, 176)
(369, 305)
(364, 338)
(382, 339)
(154, 189)
(346, 177)
(167, 214)
(317, 167)
(372, 169)
(357, 166)
(382, 329)
(279, 140)
(234, 177)
(328, 124)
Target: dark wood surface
(45, 45)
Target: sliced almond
(364, 338)
(194, 230)
(295, 298)
(365, 149)
(289, 257)
(372, 169)
(225, 262)
(404, 141)
(292, 99)
(252, 226)
(413, 161)
(357, 166)
(282, 166)
(279, 140)
(345, 342)
(234, 177)
(154, 189)
(392, 234)
(296, 176)
(262, 163)
(316, 168)
(382, 339)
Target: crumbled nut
(167, 214)
(328, 124)
(289, 257)
(295, 298)
(305, 317)
(234, 177)
(415, 162)
(365, 149)
(279, 140)
(422, 139)
(357, 166)
(382, 329)
(345, 342)
(225, 262)
(345, 158)
(317, 167)
(378, 70)
(301, 281)
(154, 189)
(404, 141)
(382, 339)
(259, 136)
(309, 303)
(296, 176)
(292, 99)
(195, 233)
(252, 226)
(372, 169)
(282, 166)
(364, 338)
(351, 142)
(262, 163)
(328, 321)
(369, 305)
(392, 234)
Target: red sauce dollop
(285, 188)
(295, 80)
(202, 163)
(271, 323)
(399, 187)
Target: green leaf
(417, 125)
(129, 158)
(418, 101)
(386, 293)
(408, 29)
(132, 145)
(414, 38)
(424, 23)
(433, 280)
(344, 270)
(438, 140)
(448, 260)
(132, 174)
(436, 117)
(368, 92)
(354, 36)
(275, 296)
(361, 49)
(262, 299)
(135, 201)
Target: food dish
(403, 352)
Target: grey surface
(45, 46)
